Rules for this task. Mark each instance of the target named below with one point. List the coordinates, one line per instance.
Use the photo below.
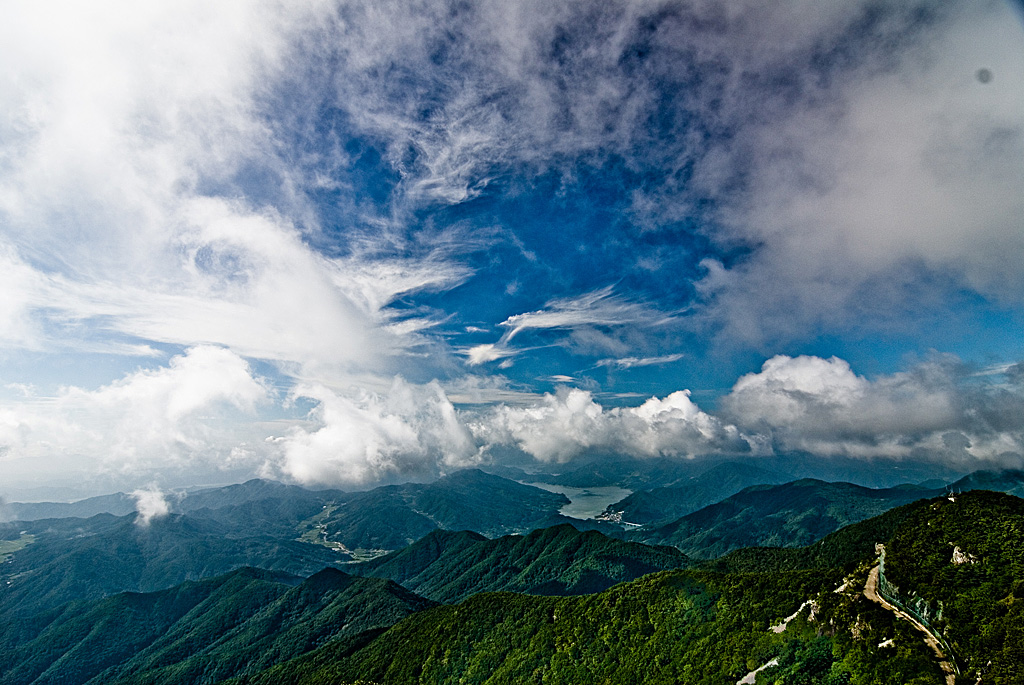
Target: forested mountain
(671, 627)
(788, 515)
(812, 627)
(393, 516)
(206, 631)
(960, 561)
(258, 523)
(91, 558)
(450, 567)
(797, 612)
(387, 517)
(668, 503)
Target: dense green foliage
(91, 558)
(671, 627)
(706, 624)
(450, 567)
(844, 548)
(981, 598)
(661, 505)
(788, 515)
(243, 622)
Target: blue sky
(345, 242)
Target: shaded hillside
(118, 504)
(669, 503)
(254, 490)
(1010, 481)
(449, 567)
(844, 548)
(809, 627)
(788, 515)
(695, 626)
(240, 623)
(91, 558)
(393, 516)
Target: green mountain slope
(788, 515)
(82, 639)
(811, 627)
(801, 614)
(844, 548)
(671, 627)
(669, 503)
(393, 516)
(91, 558)
(449, 567)
(258, 523)
(245, 621)
(960, 562)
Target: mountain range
(264, 582)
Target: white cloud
(580, 314)
(131, 137)
(881, 189)
(631, 362)
(150, 504)
(569, 423)
(821, 406)
(409, 431)
(178, 416)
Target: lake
(586, 503)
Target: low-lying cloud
(937, 410)
(569, 423)
(151, 504)
(408, 431)
(170, 418)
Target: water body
(585, 503)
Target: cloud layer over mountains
(180, 420)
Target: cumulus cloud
(409, 431)
(168, 418)
(821, 406)
(150, 504)
(569, 423)
(938, 410)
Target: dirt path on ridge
(871, 592)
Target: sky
(340, 243)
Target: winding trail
(871, 592)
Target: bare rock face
(961, 557)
